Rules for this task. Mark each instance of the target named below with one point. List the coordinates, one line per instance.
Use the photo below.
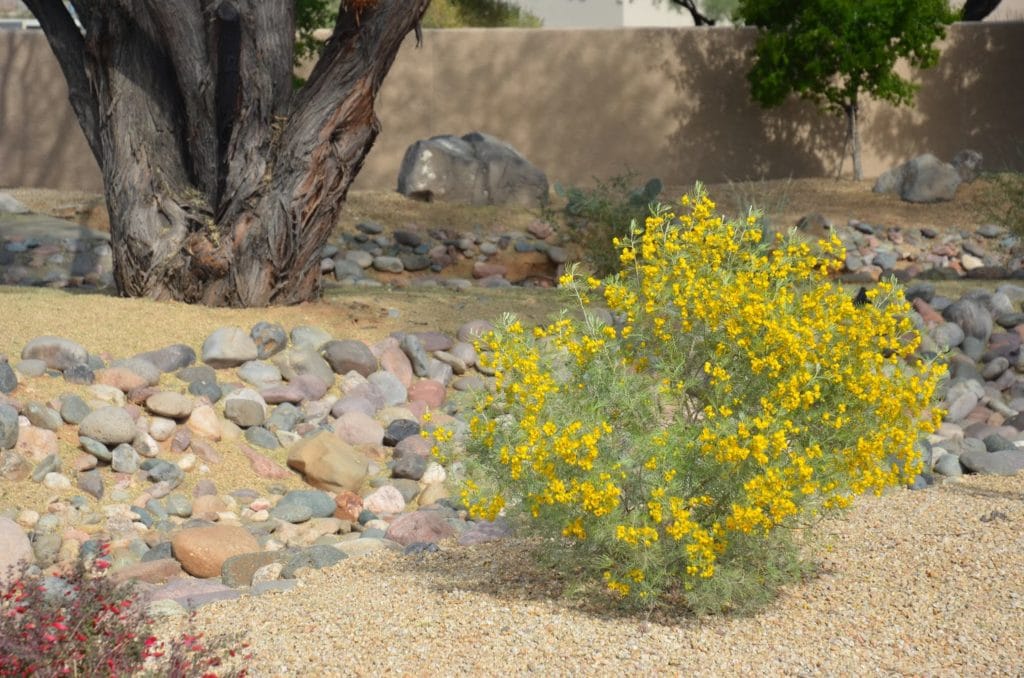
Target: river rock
(58, 353)
(269, 338)
(385, 500)
(170, 358)
(169, 404)
(328, 462)
(347, 355)
(15, 550)
(203, 550)
(228, 347)
(420, 527)
(356, 428)
(109, 425)
(1002, 463)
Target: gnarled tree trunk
(222, 182)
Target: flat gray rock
(58, 353)
(228, 347)
(109, 425)
(1001, 463)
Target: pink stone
(205, 422)
(120, 378)
(420, 526)
(348, 506)
(429, 391)
(384, 500)
(357, 428)
(394, 360)
(35, 444)
(263, 466)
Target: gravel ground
(924, 583)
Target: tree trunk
(853, 135)
(222, 182)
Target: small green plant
(84, 624)
(600, 214)
(739, 395)
(1001, 200)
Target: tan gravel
(924, 583)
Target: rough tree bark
(222, 182)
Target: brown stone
(120, 378)
(349, 505)
(429, 391)
(420, 526)
(203, 550)
(328, 462)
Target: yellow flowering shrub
(739, 394)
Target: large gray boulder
(477, 168)
(922, 179)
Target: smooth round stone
(44, 417)
(948, 465)
(124, 459)
(414, 262)
(411, 466)
(261, 437)
(228, 347)
(384, 500)
(391, 388)
(320, 504)
(170, 358)
(399, 430)
(995, 368)
(49, 464)
(431, 392)
(80, 374)
(161, 428)
(245, 407)
(360, 258)
(145, 370)
(73, 409)
(270, 338)
(95, 448)
(473, 330)
(282, 393)
(8, 379)
(170, 405)
(307, 336)
(353, 404)
(285, 417)
(31, 367)
(468, 382)
(178, 505)
(91, 482)
(259, 373)
(196, 373)
(388, 264)
(292, 513)
(304, 360)
(56, 352)
(208, 389)
(109, 425)
(349, 355)
(158, 470)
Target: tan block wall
(671, 103)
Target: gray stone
(228, 347)
(967, 164)
(298, 361)
(947, 335)
(307, 336)
(391, 388)
(948, 465)
(91, 482)
(210, 390)
(347, 355)
(109, 425)
(420, 526)
(31, 367)
(245, 407)
(468, 382)
(178, 505)
(995, 368)
(158, 470)
(972, 317)
(291, 513)
(124, 459)
(261, 437)
(285, 417)
(1002, 463)
(314, 557)
(413, 349)
(388, 264)
(360, 258)
(10, 205)
(259, 373)
(170, 358)
(477, 168)
(400, 429)
(928, 179)
(8, 426)
(73, 409)
(13, 466)
(411, 466)
(144, 369)
(473, 330)
(95, 448)
(8, 380)
(269, 338)
(995, 442)
(485, 531)
(49, 464)
(42, 416)
(196, 373)
(169, 404)
(58, 353)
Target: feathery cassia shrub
(739, 394)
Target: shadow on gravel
(507, 571)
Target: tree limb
(68, 46)
(698, 18)
(976, 10)
(185, 39)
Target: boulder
(921, 179)
(328, 462)
(477, 168)
(58, 353)
(203, 550)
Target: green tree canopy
(835, 51)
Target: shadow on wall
(716, 132)
(972, 99)
(43, 145)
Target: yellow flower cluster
(742, 391)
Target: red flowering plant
(83, 623)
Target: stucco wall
(671, 103)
